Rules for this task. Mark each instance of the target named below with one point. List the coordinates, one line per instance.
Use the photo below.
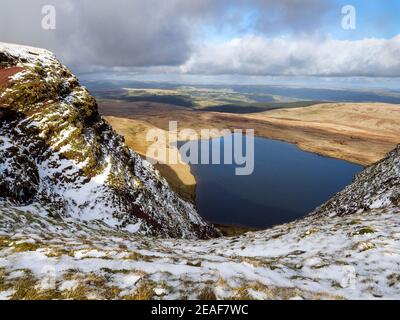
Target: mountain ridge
(72, 162)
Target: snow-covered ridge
(57, 152)
(377, 187)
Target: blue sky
(375, 19)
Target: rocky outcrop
(377, 187)
(56, 151)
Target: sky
(253, 41)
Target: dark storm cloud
(132, 33)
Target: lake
(287, 183)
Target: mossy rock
(363, 231)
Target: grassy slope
(178, 175)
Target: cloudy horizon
(204, 39)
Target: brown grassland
(360, 133)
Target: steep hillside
(74, 201)
(378, 186)
(56, 151)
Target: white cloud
(162, 36)
(256, 55)
(98, 34)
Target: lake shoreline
(362, 142)
(286, 184)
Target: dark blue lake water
(287, 183)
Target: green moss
(33, 88)
(27, 92)
(116, 181)
(363, 231)
(86, 105)
(80, 151)
(38, 84)
(38, 68)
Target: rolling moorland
(98, 222)
(360, 133)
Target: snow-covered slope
(342, 257)
(57, 152)
(376, 187)
(53, 244)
